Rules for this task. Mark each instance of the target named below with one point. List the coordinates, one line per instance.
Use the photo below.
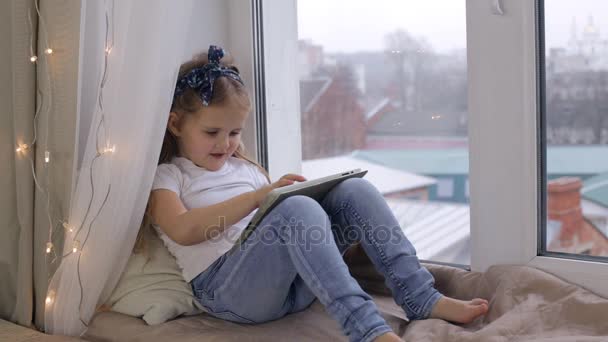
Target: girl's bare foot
(459, 311)
(388, 337)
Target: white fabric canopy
(149, 44)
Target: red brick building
(577, 234)
(333, 120)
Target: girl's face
(210, 136)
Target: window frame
(506, 180)
(282, 111)
(507, 229)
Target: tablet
(315, 188)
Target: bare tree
(577, 102)
(409, 56)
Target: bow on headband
(201, 79)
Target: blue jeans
(296, 255)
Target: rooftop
(595, 189)
(432, 227)
(566, 160)
(385, 179)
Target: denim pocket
(201, 283)
(231, 316)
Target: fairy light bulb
(109, 149)
(108, 50)
(47, 156)
(49, 247)
(48, 51)
(33, 59)
(22, 148)
(75, 246)
(68, 227)
(50, 298)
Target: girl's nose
(223, 143)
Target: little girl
(206, 190)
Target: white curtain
(150, 40)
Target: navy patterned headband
(201, 79)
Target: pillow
(152, 286)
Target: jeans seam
(428, 306)
(375, 332)
(369, 233)
(338, 305)
(229, 312)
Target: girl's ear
(174, 124)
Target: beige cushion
(152, 286)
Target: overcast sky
(360, 25)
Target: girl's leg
(289, 259)
(359, 213)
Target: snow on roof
(385, 179)
(432, 227)
(376, 108)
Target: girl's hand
(293, 177)
(287, 179)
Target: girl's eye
(215, 133)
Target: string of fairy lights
(102, 146)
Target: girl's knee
(299, 200)
(299, 204)
(357, 182)
(355, 185)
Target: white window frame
(239, 36)
(504, 165)
(284, 133)
(502, 96)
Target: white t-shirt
(198, 187)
